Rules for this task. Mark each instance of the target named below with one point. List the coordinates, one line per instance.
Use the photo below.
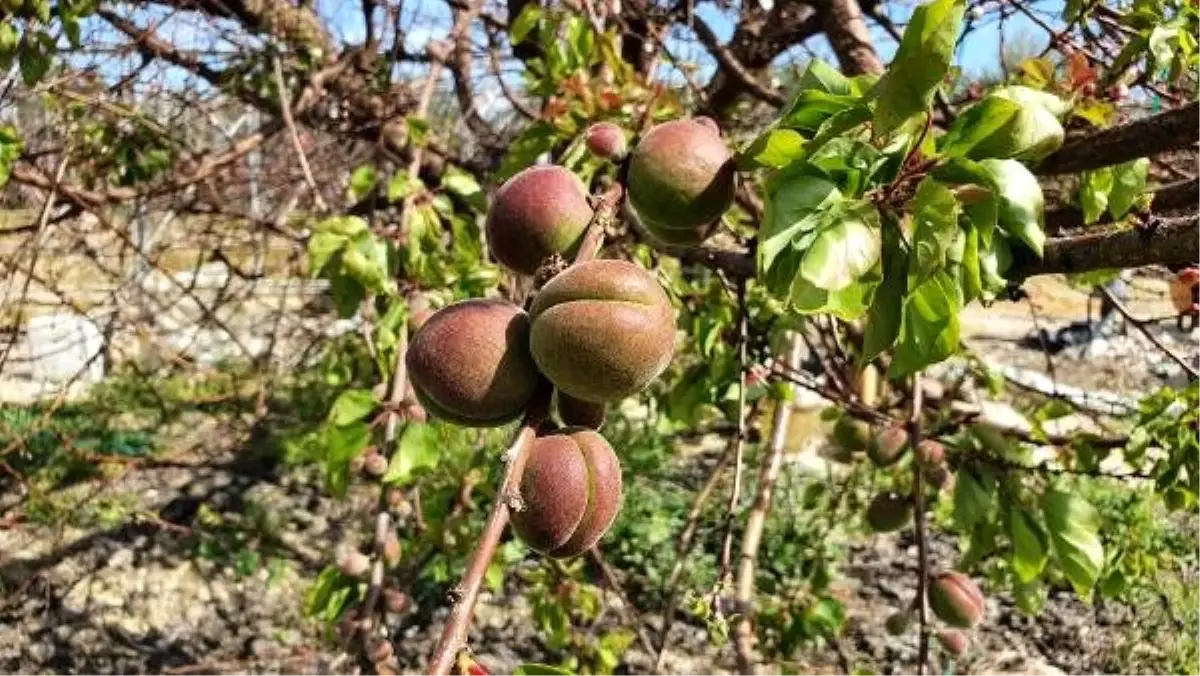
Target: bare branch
(1170, 130)
(850, 39)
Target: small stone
(122, 558)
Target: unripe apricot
(354, 564)
(889, 512)
(602, 330)
(851, 434)
(539, 212)
(606, 141)
(954, 642)
(956, 600)
(681, 179)
(707, 122)
(578, 413)
(381, 650)
(887, 447)
(930, 453)
(897, 623)
(470, 363)
(942, 477)
(391, 551)
(571, 492)
(375, 464)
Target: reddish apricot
(539, 212)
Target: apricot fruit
(887, 447)
(956, 600)
(470, 363)
(574, 412)
(898, 622)
(954, 642)
(851, 434)
(930, 454)
(682, 177)
(606, 141)
(602, 330)
(571, 492)
(539, 212)
(889, 512)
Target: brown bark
(1171, 130)
(851, 41)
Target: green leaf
(347, 292)
(929, 325)
(401, 186)
(1030, 549)
(773, 148)
(1020, 201)
(362, 181)
(811, 108)
(1074, 525)
(417, 448)
(1033, 133)
(321, 247)
(525, 22)
(792, 210)
(1160, 44)
(345, 226)
(884, 315)
(537, 138)
(352, 406)
(10, 149)
(921, 62)
(974, 493)
(843, 251)
(1129, 182)
(990, 117)
(1094, 188)
(935, 223)
(532, 669)
(465, 186)
(342, 444)
(821, 76)
(316, 597)
(1030, 597)
(849, 303)
(35, 59)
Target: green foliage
(920, 64)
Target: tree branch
(1149, 136)
(1174, 197)
(850, 39)
(1164, 241)
(729, 63)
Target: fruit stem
(604, 217)
(914, 436)
(454, 635)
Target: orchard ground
(164, 526)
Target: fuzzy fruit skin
(851, 434)
(956, 600)
(602, 330)
(354, 564)
(708, 123)
(539, 212)
(606, 141)
(681, 179)
(574, 412)
(375, 464)
(470, 363)
(889, 512)
(571, 490)
(887, 447)
(930, 453)
(942, 478)
(954, 642)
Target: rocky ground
(156, 592)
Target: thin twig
(768, 474)
(725, 578)
(918, 498)
(628, 610)
(1191, 370)
(285, 108)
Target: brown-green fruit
(930, 454)
(606, 141)
(539, 212)
(681, 179)
(889, 512)
(571, 492)
(851, 434)
(942, 477)
(887, 447)
(956, 600)
(375, 464)
(602, 330)
(574, 412)
(396, 601)
(470, 363)
(954, 642)
(897, 623)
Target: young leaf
(883, 317)
(973, 495)
(823, 77)
(1074, 524)
(525, 22)
(352, 406)
(362, 181)
(342, 444)
(849, 303)
(922, 60)
(1129, 182)
(929, 325)
(1030, 549)
(418, 447)
(10, 149)
(1093, 193)
(935, 223)
(1020, 201)
(465, 186)
(321, 247)
(993, 116)
(531, 669)
(844, 250)
(788, 213)
(773, 148)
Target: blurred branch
(1170, 130)
(850, 39)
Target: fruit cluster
(597, 331)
